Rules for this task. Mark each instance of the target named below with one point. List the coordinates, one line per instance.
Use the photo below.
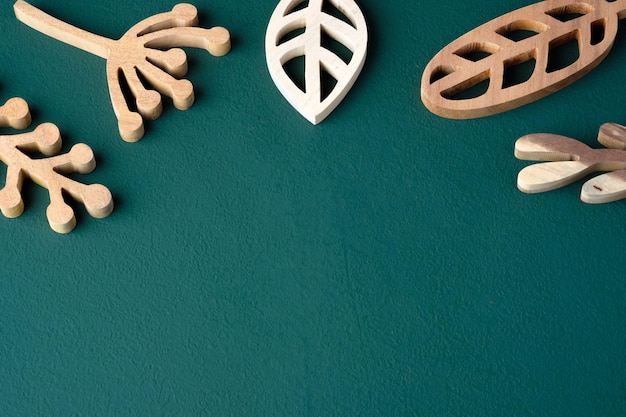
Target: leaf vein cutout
(310, 102)
(151, 49)
(48, 171)
(533, 32)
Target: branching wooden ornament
(299, 28)
(572, 160)
(47, 172)
(144, 51)
(510, 61)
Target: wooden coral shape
(571, 160)
(290, 17)
(48, 171)
(145, 51)
(474, 75)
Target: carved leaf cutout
(563, 39)
(330, 36)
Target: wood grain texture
(489, 54)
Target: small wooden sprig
(143, 52)
(46, 172)
(572, 160)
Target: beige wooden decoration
(47, 172)
(514, 60)
(571, 160)
(15, 113)
(143, 52)
(298, 28)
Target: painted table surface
(382, 263)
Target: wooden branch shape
(47, 172)
(284, 42)
(508, 62)
(572, 160)
(143, 53)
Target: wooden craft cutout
(572, 160)
(300, 28)
(47, 172)
(510, 61)
(142, 54)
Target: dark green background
(382, 263)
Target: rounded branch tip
(48, 138)
(183, 95)
(16, 113)
(82, 157)
(61, 217)
(186, 11)
(218, 41)
(131, 127)
(149, 104)
(98, 201)
(175, 62)
(11, 202)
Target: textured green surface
(382, 263)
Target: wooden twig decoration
(47, 172)
(572, 160)
(508, 62)
(143, 52)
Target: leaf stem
(64, 32)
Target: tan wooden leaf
(472, 76)
(311, 24)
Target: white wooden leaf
(309, 21)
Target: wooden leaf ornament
(517, 58)
(571, 160)
(48, 171)
(300, 28)
(143, 54)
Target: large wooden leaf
(331, 36)
(520, 57)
